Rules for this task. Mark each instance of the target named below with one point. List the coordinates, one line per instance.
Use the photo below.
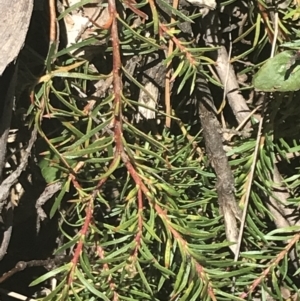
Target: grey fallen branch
(49, 264)
(8, 230)
(231, 86)
(49, 191)
(225, 70)
(212, 133)
(13, 177)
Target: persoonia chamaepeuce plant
(159, 197)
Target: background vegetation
(155, 148)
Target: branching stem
(273, 263)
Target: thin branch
(249, 186)
(22, 265)
(47, 194)
(228, 136)
(228, 78)
(9, 214)
(273, 263)
(131, 5)
(263, 12)
(117, 87)
(275, 34)
(225, 91)
(199, 268)
(168, 75)
(83, 233)
(120, 153)
(201, 272)
(117, 65)
(112, 284)
(181, 47)
(225, 70)
(212, 133)
(87, 223)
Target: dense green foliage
(138, 205)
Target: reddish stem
(164, 216)
(112, 285)
(272, 264)
(117, 81)
(118, 133)
(83, 233)
(180, 46)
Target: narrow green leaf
(64, 268)
(88, 285)
(59, 198)
(175, 11)
(143, 277)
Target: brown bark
(212, 133)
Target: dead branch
(228, 78)
(13, 177)
(212, 133)
(225, 70)
(8, 230)
(47, 194)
